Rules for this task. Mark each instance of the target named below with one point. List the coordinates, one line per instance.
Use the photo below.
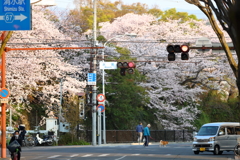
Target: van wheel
(196, 152)
(216, 150)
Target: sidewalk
(141, 143)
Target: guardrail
(129, 136)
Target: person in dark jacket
(22, 132)
(139, 130)
(16, 137)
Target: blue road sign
(4, 93)
(15, 15)
(92, 77)
(101, 107)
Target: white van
(216, 137)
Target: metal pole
(60, 108)
(94, 121)
(99, 127)
(103, 88)
(10, 116)
(4, 108)
(60, 111)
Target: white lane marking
(74, 155)
(135, 154)
(37, 157)
(87, 155)
(55, 156)
(102, 155)
(120, 158)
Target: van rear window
(208, 130)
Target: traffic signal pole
(4, 38)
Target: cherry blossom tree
(227, 14)
(35, 75)
(174, 87)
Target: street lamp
(103, 79)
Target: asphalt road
(173, 151)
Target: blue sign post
(101, 107)
(92, 77)
(15, 15)
(4, 93)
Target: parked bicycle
(28, 142)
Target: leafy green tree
(172, 14)
(71, 113)
(156, 12)
(213, 109)
(126, 99)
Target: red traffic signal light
(131, 65)
(185, 50)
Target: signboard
(4, 93)
(92, 77)
(4, 100)
(100, 106)
(100, 98)
(15, 15)
(108, 65)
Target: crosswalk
(68, 157)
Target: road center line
(55, 156)
(103, 155)
(74, 155)
(120, 158)
(87, 155)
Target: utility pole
(94, 120)
(60, 111)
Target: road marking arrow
(20, 17)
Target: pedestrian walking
(146, 135)
(139, 130)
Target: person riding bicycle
(19, 140)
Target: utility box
(51, 125)
(64, 127)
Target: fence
(129, 136)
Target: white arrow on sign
(20, 17)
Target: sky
(180, 5)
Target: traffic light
(172, 49)
(126, 66)
(171, 54)
(185, 50)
